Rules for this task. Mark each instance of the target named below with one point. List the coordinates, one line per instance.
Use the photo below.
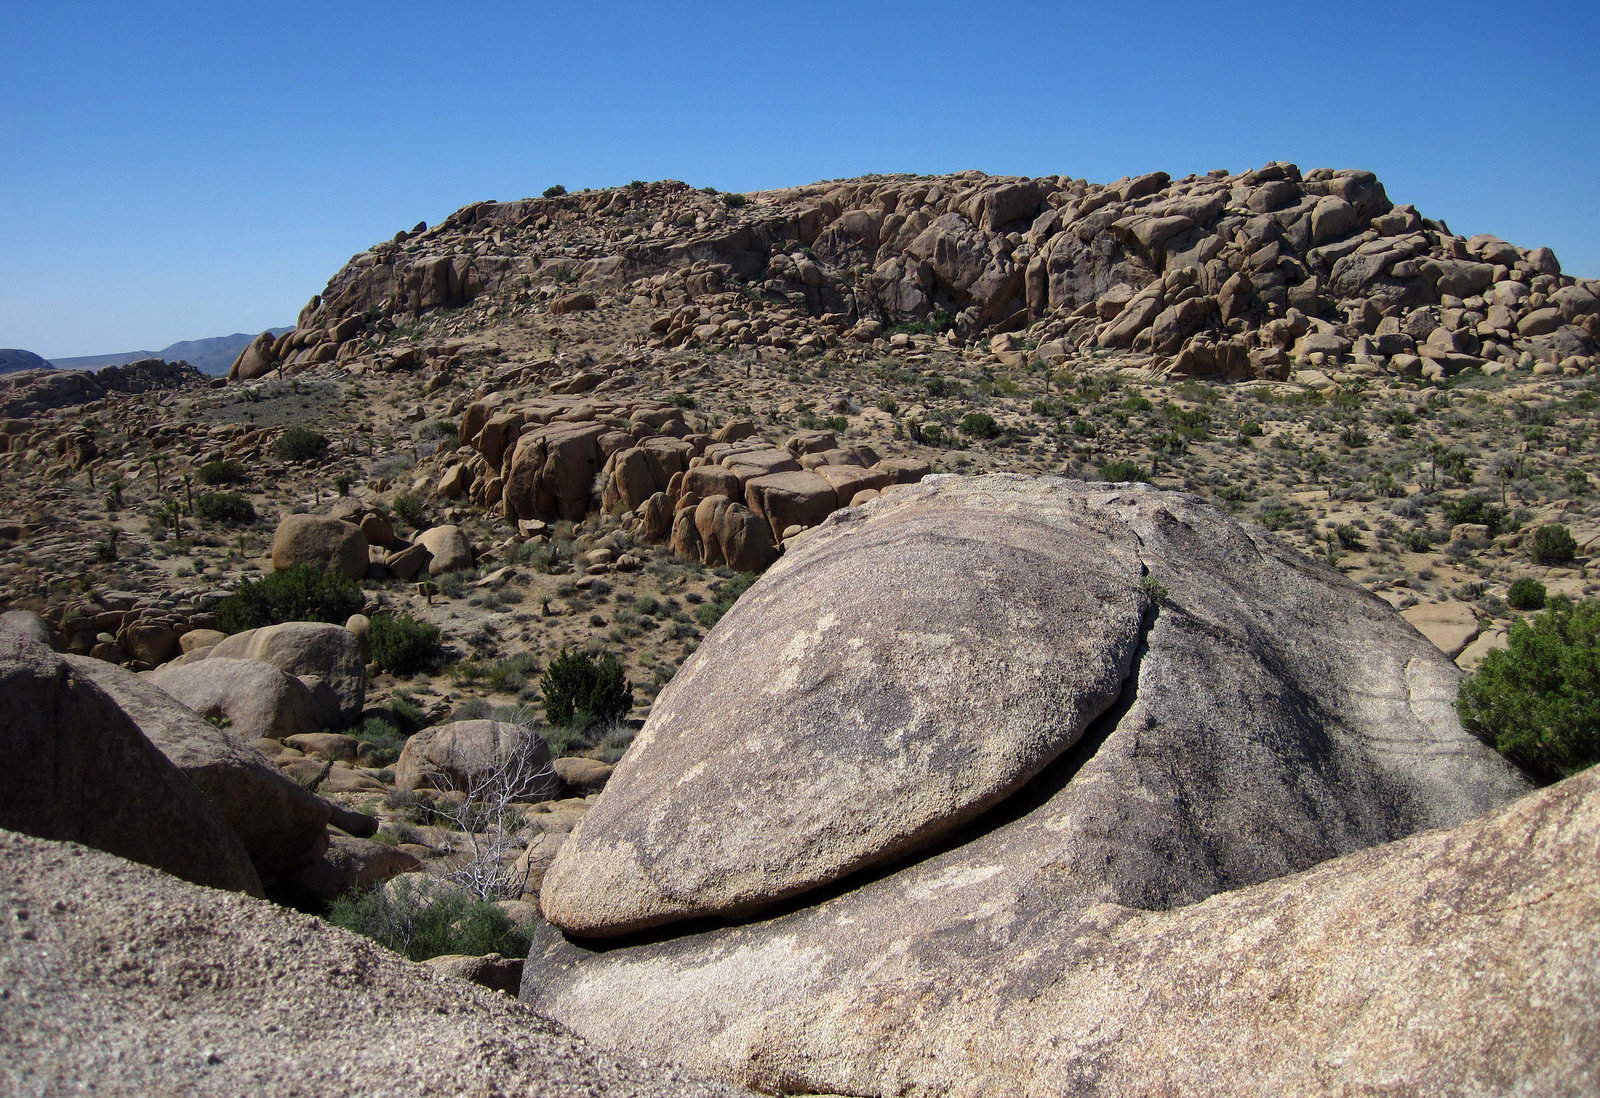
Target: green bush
(979, 425)
(214, 473)
(1119, 471)
(555, 190)
(420, 926)
(384, 736)
(401, 644)
(733, 200)
(1554, 544)
(708, 614)
(1526, 594)
(224, 507)
(1538, 699)
(297, 593)
(300, 444)
(581, 691)
(408, 505)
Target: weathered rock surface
(1273, 717)
(74, 766)
(128, 982)
(924, 631)
(319, 541)
(956, 638)
(281, 823)
(1454, 962)
(257, 700)
(326, 658)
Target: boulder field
(1039, 787)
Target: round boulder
(326, 658)
(448, 549)
(256, 700)
(320, 541)
(491, 757)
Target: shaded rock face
(135, 983)
(1261, 718)
(74, 766)
(282, 824)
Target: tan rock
(1451, 626)
(321, 542)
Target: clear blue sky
(179, 170)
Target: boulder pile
(1227, 275)
(726, 498)
(1035, 785)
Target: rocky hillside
(1231, 276)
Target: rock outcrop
(74, 766)
(1213, 714)
(326, 658)
(133, 983)
(322, 542)
(1223, 275)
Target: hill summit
(1221, 275)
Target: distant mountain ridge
(210, 356)
(13, 359)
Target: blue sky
(179, 170)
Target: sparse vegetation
(580, 691)
(224, 507)
(421, 922)
(300, 444)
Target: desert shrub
(1554, 544)
(1538, 699)
(1119, 471)
(401, 644)
(979, 425)
(1526, 594)
(1475, 508)
(580, 691)
(384, 736)
(733, 200)
(708, 614)
(555, 190)
(409, 506)
(422, 923)
(297, 593)
(300, 444)
(224, 507)
(229, 471)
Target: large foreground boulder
(125, 982)
(281, 823)
(1457, 962)
(913, 663)
(1044, 721)
(74, 766)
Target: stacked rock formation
(726, 498)
(1231, 275)
(1043, 786)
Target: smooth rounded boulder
(479, 755)
(1273, 717)
(905, 676)
(326, 658)
(252, 699)
(319, 541)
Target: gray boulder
(74, 766)
(1264, 716)
(481, 755)
(282, 824)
